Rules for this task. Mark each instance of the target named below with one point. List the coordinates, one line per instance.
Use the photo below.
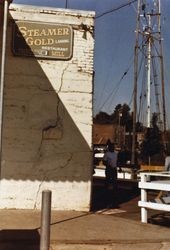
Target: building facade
(47, 111)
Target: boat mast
(148, 92)
(162, 71)
(148, 34)
(135, 85)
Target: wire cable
(106, 81)
(108, 75)
(115, 88)
(116, 9)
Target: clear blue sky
(114, 48)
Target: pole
(143, 199)
(45, 220)
(162, 73)
(3, 74)
(119, 141)
(149, 75)
(135, 87)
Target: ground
(128, 197)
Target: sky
(114, 48)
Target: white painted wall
(47, 127)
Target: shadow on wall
(40, 139)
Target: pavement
(102, 229)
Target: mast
(148, 45)
(135, 85)
(148, 33)
(162, 71)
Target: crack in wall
(38, 191)
(61, 167)
(68, 161)
(58, 123)
(62, 77)
(45, 90)
(45, 178)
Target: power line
(115, 9)
(111, 67)
(115, 88)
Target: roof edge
(50, 10)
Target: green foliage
(102, 118)
(152, 143)
(121, 115)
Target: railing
(147, 182)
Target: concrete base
(20, 229)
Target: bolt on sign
(53, 41)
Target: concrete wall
(47, 126)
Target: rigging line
(134, 8)
(158, 62)
(156, 49)
(125, 73)
(142, 94)
(143, 44)
(167, 80)
(143, 56)
(139, 70)
(146, 20)
(142, 50)
(146, 16)
(167, 93)
(140, 66)
(114, 92)
(117, 85)
(155, 79)
(105, 84)
(131, 99)
(141, 22)
(142, 115)
(154, 19)
(115, 9)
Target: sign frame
(60, 36)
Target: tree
(120, 116)
(115, 114)
(152, 143)
(102, 118)
(123, 116)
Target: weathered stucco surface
(47, 126)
